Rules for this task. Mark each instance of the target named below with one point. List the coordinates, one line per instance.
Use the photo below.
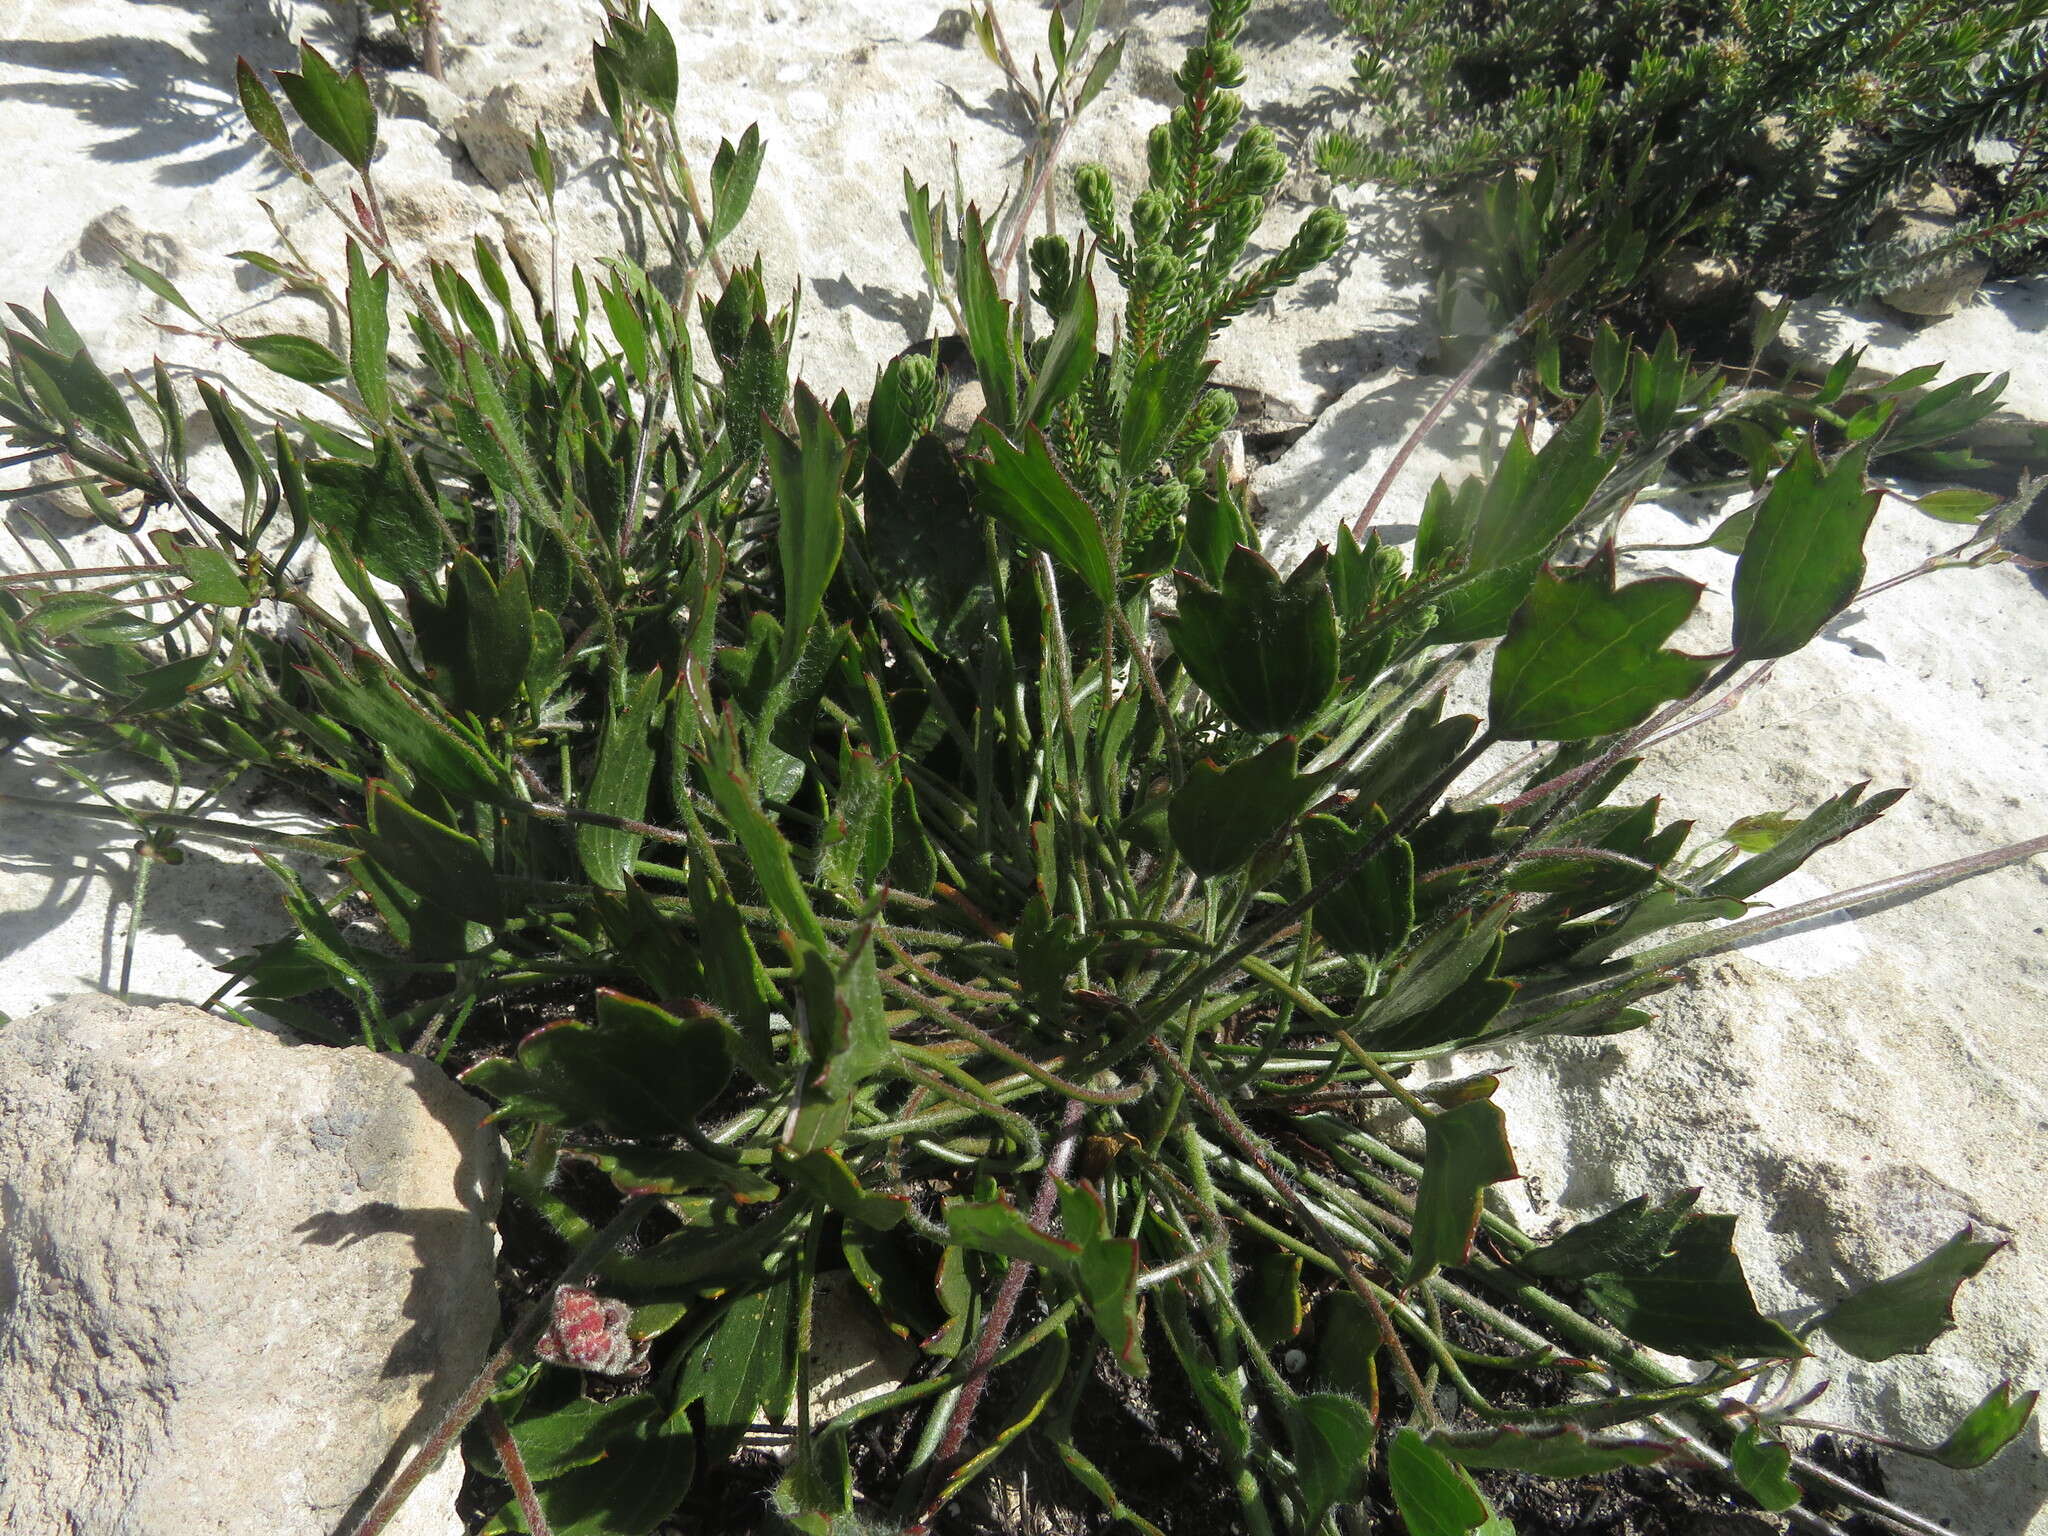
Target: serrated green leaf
(1986, 1429)
(335, 107)
(996, 1226)
(445, 866)
(1582, 657)
(1264, 650)
(1764, 1467)
(824, 1174)
(371, 513)
(1372, 913)
(1220, 817)
(1695, 1302)
(1465, 1150)
(1904, 1313)
(1633, 1238)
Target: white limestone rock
(238, 1279)
(1326, 476)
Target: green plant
(896, 887)
(1768, 134)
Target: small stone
(412, 93)
(1925, 214)
(854, 1358)
(1688, 278)
(963, 409)
(235, 1274)
(498, 131)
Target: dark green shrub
(1770, 134)
(829, 854)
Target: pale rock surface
(1330, 471)
(237, 1278)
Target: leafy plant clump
(1772, 135)
(911, 889)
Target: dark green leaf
(996, 1226)
(618, 787)
(1904, 1313)
(1465, 1150)
(443, 865)
(733, 174)
(1163, 389)
(578, 1433)
(1763, 1467)
(1331, 1438)
(494, 622)
(1696, 1302)
(1372, 913)
(638, 1071)
(1049, 950)
(337, 108)
(1434, 1495)
(808, 472)
(1581, 658)
(653, 1171)
(987, 314)
(1026, 490)
(1533, 497)
(824, 1174)
(1632, 1239)
(372, 514)
(1069, 357)
(1803, 560)
(1347, 1345)
(1220, 817)
(743, 1366)
(1265, 651)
